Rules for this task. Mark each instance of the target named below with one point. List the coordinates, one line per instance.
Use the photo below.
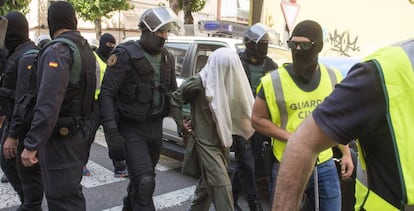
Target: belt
(75, 122)
(67, 125)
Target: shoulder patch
(112, 60)
(53, 64)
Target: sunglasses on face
(303, 45)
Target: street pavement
(104, 192)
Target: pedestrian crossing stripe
(8, 197)
(99, 176)
(102, 176)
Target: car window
(178, 50)
(240, 47)
(203, 52)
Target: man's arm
(297, 164)
(262, 123)
(347, 166)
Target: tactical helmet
(158, 18)
(257, 32)
(257, 39)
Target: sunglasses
(303, 45)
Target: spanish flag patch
(53, 64)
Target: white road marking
(8, 197)
(171, 199)
(99, 176)
(102, 176)
(100, 138)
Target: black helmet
(158, 18)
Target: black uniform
(30, 177)
(12, 167)
(249, 164)
(134, 100)
(61, 125)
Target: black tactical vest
(9, 77)
(80, 93)
(268, 65)
(136, 95)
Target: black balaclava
(17, 31)
(61, 15)
(106, 44)
(151, 42)
(306, 61)
(256, 52)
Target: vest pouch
(65, 127)
(5, 107)
(144, 93)
(25, 107)
(127, 94)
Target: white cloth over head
(229, 95)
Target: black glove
(116, 144)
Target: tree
(256, 7)
(15, 5)
(188, 6)
(94, 10)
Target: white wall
(356, 27)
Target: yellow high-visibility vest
(289, 105)
(100, 71)
(395, 67)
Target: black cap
(61, 15)
(17, 30)
(311, 30)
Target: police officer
(134, 99)
(107, 43)
(25, 181)
(256, 64)
(60, 127)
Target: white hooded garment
(229, 95)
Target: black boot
(254, 203)
(127, 205)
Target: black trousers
(31, 181)
(243, 177)
(62, 159)
(143, 146)
(9, 165)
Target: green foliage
(95, 9)
(15, 5)
(196, 5)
